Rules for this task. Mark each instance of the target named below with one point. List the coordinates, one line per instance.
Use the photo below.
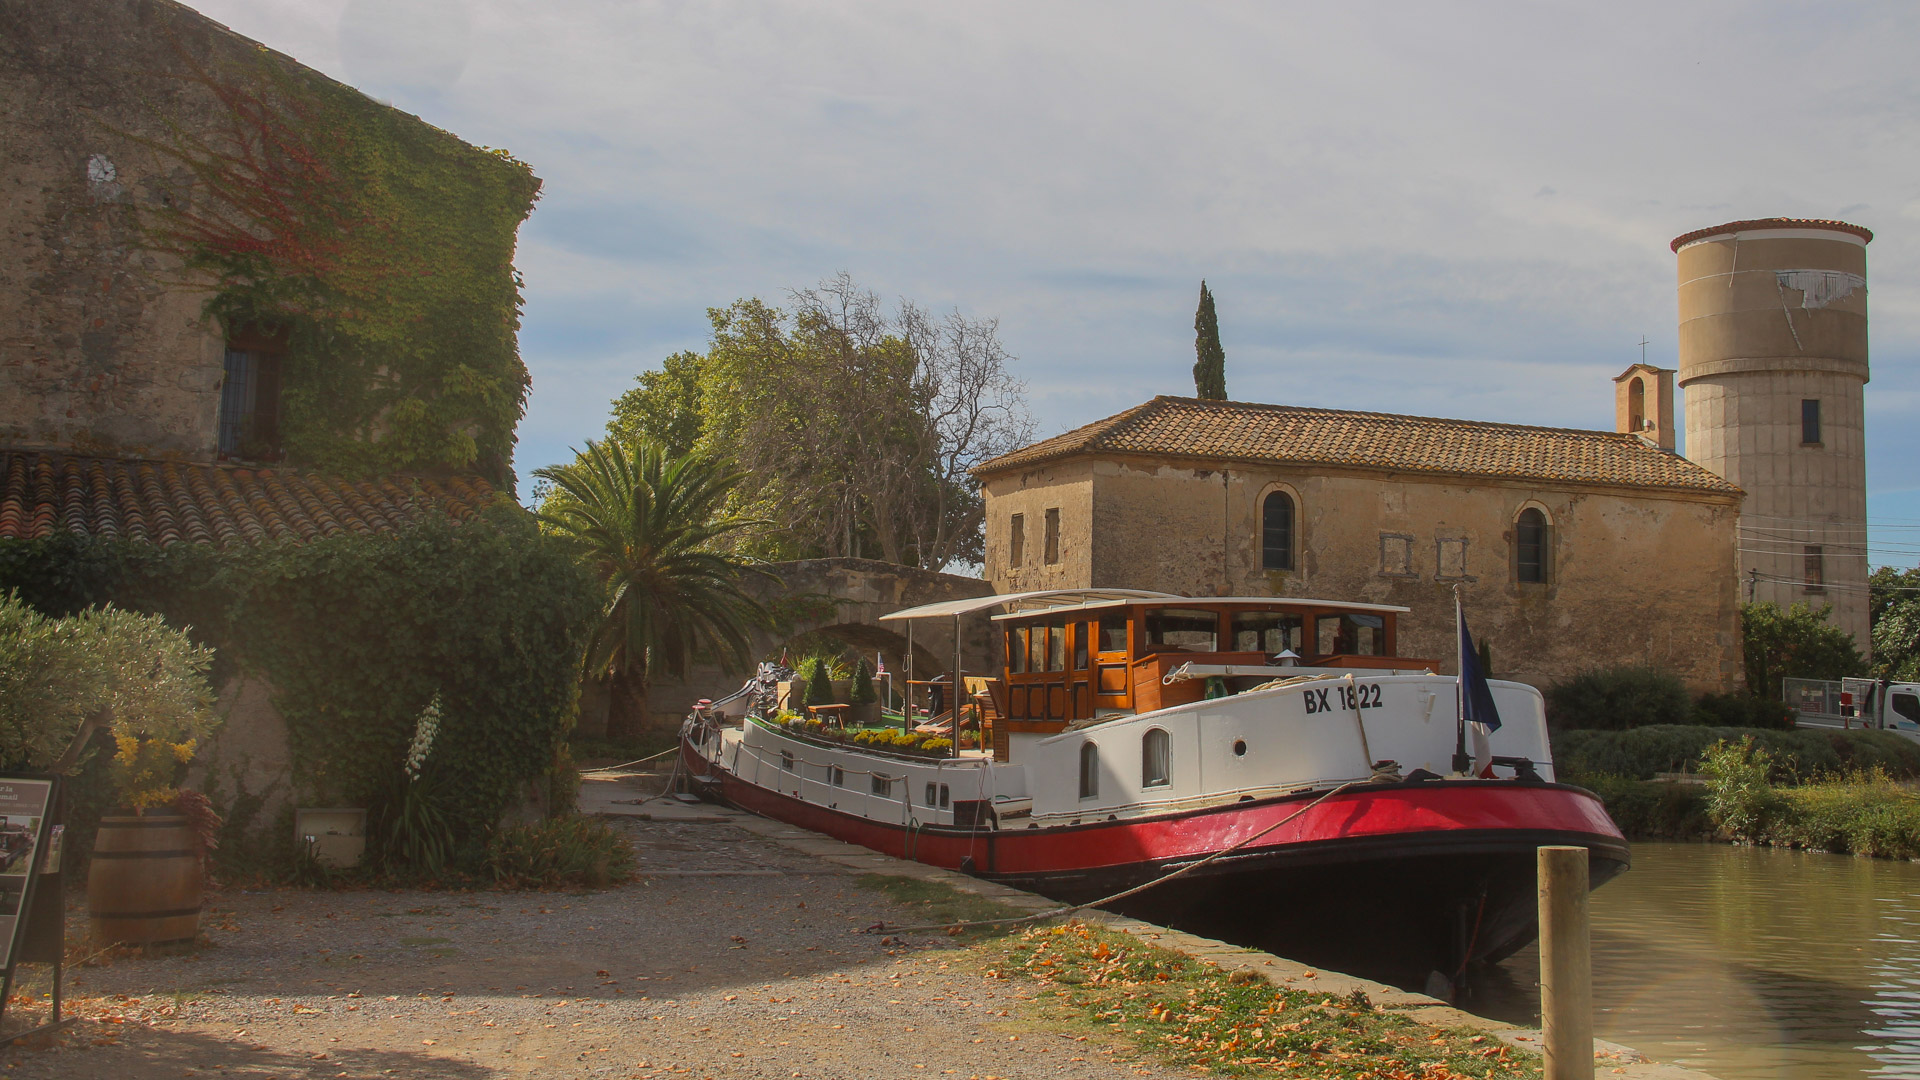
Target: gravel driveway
(733, 956)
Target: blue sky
(1457, 210)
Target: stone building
(1571, 549)
(1773, 363)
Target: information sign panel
(26, 803)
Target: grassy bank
(1164, 1005)
(1803, 754)
(1749, 795)
(1866, 812)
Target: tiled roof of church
(1285, 434)
(170, 502)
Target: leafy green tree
(665, 407)
(653, 528)
(1210, 363)
(1797, 643)
(1894, 603)
(856, 425)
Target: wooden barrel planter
(143, 886)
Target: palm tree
(650, 527)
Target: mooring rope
(640, 761)
(1123, 894)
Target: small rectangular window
(1268, 632)
(1017, 650)
(839, 776)
(250, 406)
(930, 793)
(1450, 558)
(944, 798)
(1053, 535)
(1814, 575)
(1081, 632)
(881, 785)
(1810, 420)
(786, 760)
(1113, 633)
(1178, 630)
(1089, 771)
(1396, 555)
(1057, 648)
(1017, 541)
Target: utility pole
(1753, 581)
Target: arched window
(1276, 532)
(1156, 759)
(1530, 542)
(1089, 770)
(1637, 404)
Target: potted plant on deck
(66, 686)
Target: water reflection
(1749, 963)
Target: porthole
(1239, 748)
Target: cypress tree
(1210, 365)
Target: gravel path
(734, 956)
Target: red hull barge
(1423, 876)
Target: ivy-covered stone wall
(167, 182)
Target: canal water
(1749, 963)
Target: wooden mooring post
(1566, 964)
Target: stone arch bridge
(840, 600)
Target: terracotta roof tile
(1751, 224)
(1291, 435)
(169, 502)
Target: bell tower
(1643, 403)
(1773, 362)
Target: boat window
(1156, 759)
(1351, 634)
(1089, 770)
(1185, 630)
(1082, 632)
(786, 760)
(944, 803)
(1036, 648)
(931, 789)
(1268, 632)
(882, 785)
(1057, 648)
(837, 775)
(1906, 705)
(1017, 649)
(1530, 542)
(1113, 633)
(1276, 532)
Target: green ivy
(357, 633)
(381, 246)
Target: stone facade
(1635, 573)
(103, 347)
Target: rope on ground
(882, 928)
(624, 764)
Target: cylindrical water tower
(1773, 361)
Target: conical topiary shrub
(820, 684)
(862, 692)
